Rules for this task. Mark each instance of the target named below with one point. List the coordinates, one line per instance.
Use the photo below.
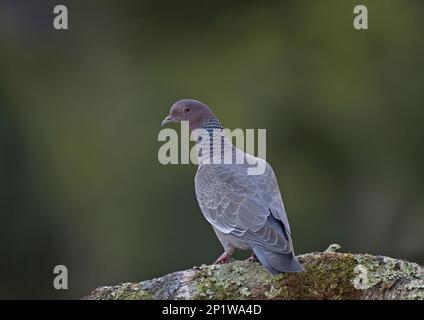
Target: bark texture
(328, 275)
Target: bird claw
(252, 259)
(223, 258)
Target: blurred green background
(80, 111)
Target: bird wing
(247, 206)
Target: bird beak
(167, 120)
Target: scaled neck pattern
(212, 145)
(211, 125)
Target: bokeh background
(80, 110)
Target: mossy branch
(328, 275)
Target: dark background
(80, 111)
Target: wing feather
(247, 206)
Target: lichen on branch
(328, 275)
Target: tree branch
(328, 275)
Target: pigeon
(245, 210)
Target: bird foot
(253, 258)
(223, 258)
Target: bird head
(193, 111)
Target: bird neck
(212, 145)
(212, 124)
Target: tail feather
(276, 262)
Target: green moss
(126, 291)
(326, 277)
(135, 295)
(234, 280)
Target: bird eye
(187, 109)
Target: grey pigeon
(246, 211)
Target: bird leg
(253, 258)
(223, 258)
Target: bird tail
(276, 262)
